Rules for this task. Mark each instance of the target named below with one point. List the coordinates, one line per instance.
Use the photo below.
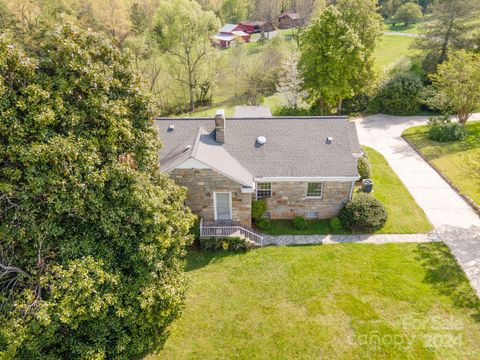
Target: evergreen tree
(138, 18)
(452, 28)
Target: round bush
(364, 168)
(363, 213)
(400, 95)
(336, 224)
(443, 129)
(264, 223)
(299, 223)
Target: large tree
(457, 85)
(91, 232)
(363, 19)
(409, 13)
(452, 28)
(336, 51)
(183, 30)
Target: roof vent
(188, 147)
(171, 127)
(329, 140)
(261, 140)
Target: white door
(223, 208)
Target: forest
(159, 33)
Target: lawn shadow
(197, 259)
(446, 276)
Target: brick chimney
(220, 126)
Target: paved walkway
(341, 239)
(394, 33)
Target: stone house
(302, 165)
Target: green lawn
(390, 49)
(459, 161)
(404, 215)
(350, 301)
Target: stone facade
(202, 183)
(289, 199)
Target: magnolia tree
(92, 234)
(456, 85)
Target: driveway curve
(442, 205)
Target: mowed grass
(390, 49)
(350, 301)
(459, 161)
(404, 214)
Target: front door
(223, 208)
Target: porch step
(218, 230)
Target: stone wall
(289, 199)
(202, 183)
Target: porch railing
(229, 230)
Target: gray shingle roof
(295, 147)
(252, 112)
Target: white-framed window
(264, 190)
(315, 190)
(312, 215)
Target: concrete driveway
(442, 205)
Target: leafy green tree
(362, 17)
(409, 13)
(453, 28)
(91, 232)
(457, 85)
(233, 11)
(183, 30)
(332, 58)
(138, 18)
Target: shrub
(289, 111)
(336, 224)
(259, 207)
(443, 129)
(364, 168)
(264, 223)
(363, 213)
(226, 244)
(195, 229)
(299, 223)
(357, 104)
(399, 95)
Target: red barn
(229, 33)
(252, 26)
